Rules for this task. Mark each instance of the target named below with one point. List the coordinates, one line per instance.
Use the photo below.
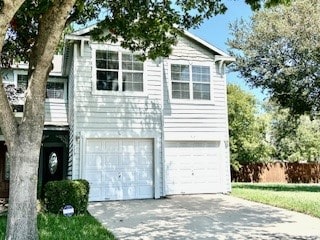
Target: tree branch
(51, 27)
(7, 12)
(8, 123)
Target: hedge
(57, 194)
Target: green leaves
(279, 51)
(152, 26)
(294, 138)
(142, 25)
(247, 131)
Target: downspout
(224, 143)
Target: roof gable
(215, 51)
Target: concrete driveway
(203, 217)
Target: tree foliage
(149, 26)
(279, 51)
(30, 30)
(256, 5)
(293, 138)
(247, 131)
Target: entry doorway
(52, 166)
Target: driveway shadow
(203, 217)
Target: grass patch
(58, 227)
(302, 198)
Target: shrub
(57, 194)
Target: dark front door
(4, 172)
(52, 164)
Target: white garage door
(192, 167)
(119, 169)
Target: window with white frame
(55, 90)
(116, 71)
(22, 81)
(190, 82)
(56, 87)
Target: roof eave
(205, 44)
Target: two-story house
(56, 130)
(138, 129)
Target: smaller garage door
(119, 169)
(192, 167)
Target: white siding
(190, 119)
(56, 110)
(148, 115)
(115, 114)
(71, 119)
(196, 121)
(56, 113)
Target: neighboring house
(140, 129)
(56, 131)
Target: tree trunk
(22, 217)
(24, 139)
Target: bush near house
(57, 194)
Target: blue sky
(216, 32)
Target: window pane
(126, 65)
(180, 90)
(55, 90)
(22, 81)
(201, 91)
(201, 74)
(101, 55)
(138, 66)
(137, 87)
(109, 67)
(132, 81)
(101, 64)
(131, 62)
(107, 80)
(107, 60)
(132, 75)
(180, 72)
(112, 55)
(126, 57)
(113, 64)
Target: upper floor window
(55, 87)
(116, 71)
(22, 81)
(190, 82)
(55, 90)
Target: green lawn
(303, 198)
(54, 227)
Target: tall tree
(294, 138)
(279, 51)
(30, 30)
(247, 130)
(23, 139)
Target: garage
(119, 169)
(192, 167)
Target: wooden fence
(278, 172)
